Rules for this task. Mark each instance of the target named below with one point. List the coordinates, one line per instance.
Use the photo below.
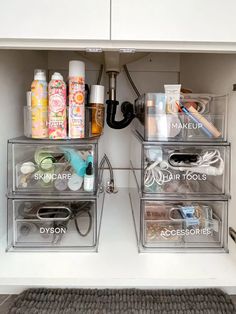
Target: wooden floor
(6, 300)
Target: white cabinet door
(55, 19)
(174, 20)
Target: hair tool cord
(159, 172)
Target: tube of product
(39, 105)
(208, 125)
(76, 99)
(57, 107)
(172, 96)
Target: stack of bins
(179, 177)
(48, 206)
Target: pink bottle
(57, 107)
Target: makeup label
(57, 110)
(188, 126)
(76, 107)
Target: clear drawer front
(54, 224)
(51, 168)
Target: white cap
(39, 75)
(96, 94)
(57, 76)
(76, 68)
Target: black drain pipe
(126, 107)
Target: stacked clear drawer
(49, 207)
(179, 187)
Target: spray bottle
(76, 99)
(39, 104)
(57, 107)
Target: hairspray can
(39, 105)
(76, 99)
(57, 107)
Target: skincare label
(76, 107)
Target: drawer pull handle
(54, 213)
(183, 159)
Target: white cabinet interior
(118, 261)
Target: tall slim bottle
(39, 105)
(76, 99)
(57, 107)
(96, 105)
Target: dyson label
(57, 230)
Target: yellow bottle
(39, 105)
(96, 106)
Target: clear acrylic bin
(179, 225)
(202, 118)
(48, 167)
(94, 121)
(183, 168)
(54, 224)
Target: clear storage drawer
(183, 225)
(51, 224)
(198, 117)
(181, 168)
(50, 167)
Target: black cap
(89, 169)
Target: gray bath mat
(122, 301)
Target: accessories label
(186, 232)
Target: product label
(99, 116)
(52, 230)
(51, 176)
(188, 126)
(39, 109)
(185, 232)
(76, 107)
(57, 110)
(185, 176)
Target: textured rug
(122, 301)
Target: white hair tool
(158, 172)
